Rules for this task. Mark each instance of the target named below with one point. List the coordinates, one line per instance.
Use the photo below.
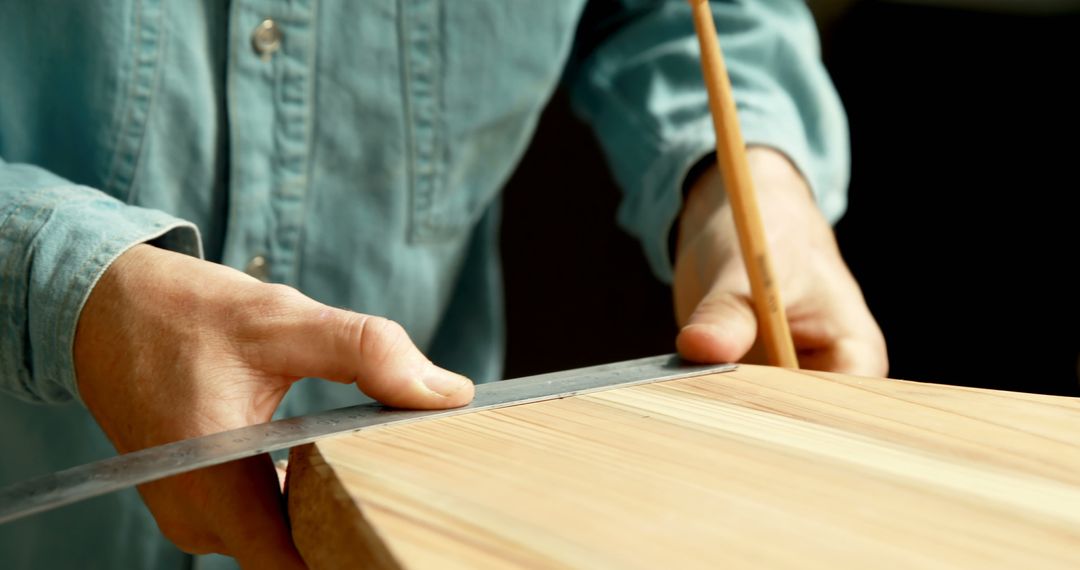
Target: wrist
(146, 293)
(783, 195)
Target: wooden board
(757, 468)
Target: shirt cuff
(665, 178)
(62, 239)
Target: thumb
(376, 353)
(722, 328)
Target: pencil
(773, 327)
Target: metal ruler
(107, 475)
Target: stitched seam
(234, 173)
(122, 127)
(410, 128)
(312, 117)
(154, 83)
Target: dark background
(962, 224)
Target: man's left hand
(831, 325)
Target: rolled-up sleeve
(636, 78)
(56, 240)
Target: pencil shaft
(731, 156)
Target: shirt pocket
(477, 75)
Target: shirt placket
(421, 38)
(270, 91)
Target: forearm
(641, 89)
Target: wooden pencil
(731, 156)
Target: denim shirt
(354, 150)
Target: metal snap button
(258, 268)
(266, 39)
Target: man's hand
(169, 347)
(831, 326)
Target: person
(203, 203)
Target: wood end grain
(324, 518)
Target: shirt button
(258, 268)
(266, 39)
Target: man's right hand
(170, 347)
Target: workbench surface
(760, 467)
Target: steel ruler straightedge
(120, 472)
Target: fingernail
(444, 383)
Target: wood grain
(761, 467)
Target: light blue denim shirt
(358, 148)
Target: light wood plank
(760, 467)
